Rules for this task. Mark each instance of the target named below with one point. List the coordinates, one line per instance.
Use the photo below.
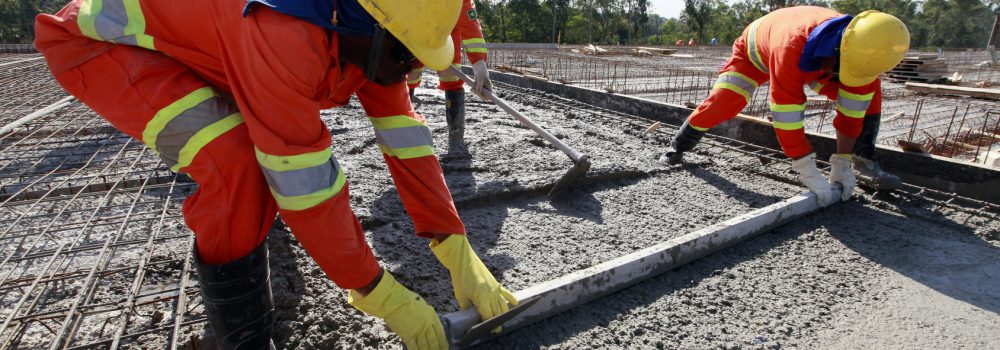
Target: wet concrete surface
(853, 275)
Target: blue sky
(667, 8)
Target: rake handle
(569, 151)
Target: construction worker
(839, 55)
(691, 42)
(468, 33)
(229, 92)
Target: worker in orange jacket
(229, 92)
(838, 55)
(467, 33)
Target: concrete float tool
(550, 298)
(581, 162)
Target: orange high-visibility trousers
(242, 118)
(724, 104)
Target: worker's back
(784, 31)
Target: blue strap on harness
(352, 19)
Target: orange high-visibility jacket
(774, 46)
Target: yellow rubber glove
(405, 312)
(473, 283)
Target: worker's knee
(233, 210)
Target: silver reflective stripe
(302, 181)
(447, 74)
(788, 117)
(179, 130)
(752, 47)
(475, 46)
(852, 104)
(738, 82)
(412, 136)
(110, 24)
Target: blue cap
(823, 42)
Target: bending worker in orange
(229, 92)
(469, 34)
(839, 56)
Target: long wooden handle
(572, 153)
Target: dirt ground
(870, 273)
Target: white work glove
(841, 172)
(812, 178)
(482, 75)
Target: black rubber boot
(864, 156)
(238, 301)
(685, 140)
(455, 114)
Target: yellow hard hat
(424, 26)
(873, 43)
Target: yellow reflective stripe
(474, 41)
(850, 112)
(865, 97)
(754, 54)
(168, 113)
(407, 152)
(137, 24)
(734, 88)
(393, 122)
(307, 201)
(477, 50)
(789, 126)
(787, 108)
(697, 127)
(296, 162)
(203, 137)
(744, 77)
(87, 16)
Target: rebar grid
(908, 116)
(93, 245)
(25, 85)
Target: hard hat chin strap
(375, 52)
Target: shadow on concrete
(751, 198)
(950, 259)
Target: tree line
(932, 23)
